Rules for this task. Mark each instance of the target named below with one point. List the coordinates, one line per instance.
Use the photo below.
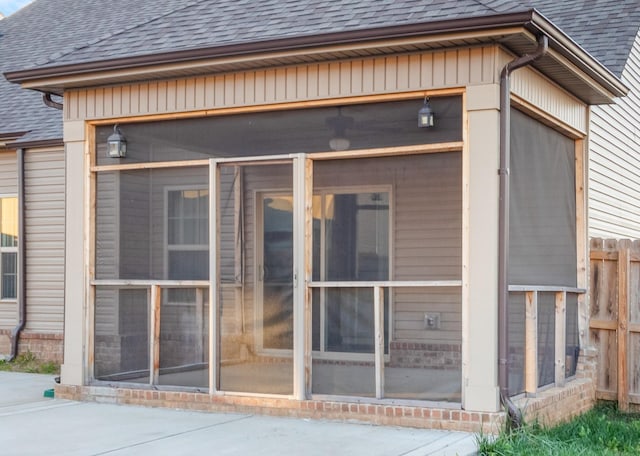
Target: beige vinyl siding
(614, 160)
(426, 234)
(428, 246)
(44, 226)
(8, 187)
(366, 76)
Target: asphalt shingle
(55, 32)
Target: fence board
(615, 318)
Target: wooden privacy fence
(615, 319)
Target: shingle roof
(241, 21)
(604, 28)
(55, 32)
(35, 33)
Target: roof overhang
(566, 63)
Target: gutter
(277, 45)
(21, 270)
(530, 20)
(513, 414)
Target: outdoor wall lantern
(116, 144)
(425, 115)
(339, 124)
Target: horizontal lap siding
(614, 161)
(368, 76)
(427, 234)
(8, 187)
(44, 225)
(428, 246)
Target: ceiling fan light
(339, 143)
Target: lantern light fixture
(426, 115)
(116, 144)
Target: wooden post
(308, 248)
(238, 272)
(213, 276)
(560, 339)
(623, 323)
(531, 343)
(154, 339)
(199, 346)
(299, 276)
(378, 312)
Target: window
(187, 239)
(351, 243)
(8, 247)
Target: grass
(602, 431)
(27, 362)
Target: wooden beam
(238, 242)
(378, 311)
(582, 238)
(546, 288)
(299, 274)
(600, 255)
(90, 251)
(623, 320)
(214, 276)
(149, 283)
(154, 333)
(531, 343)
(610, 325)
(455, 146)
(560, 339)
(150, 165)
(308, 271)
(387, 284)
(200, 326)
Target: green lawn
(601, 431)
(27, 362)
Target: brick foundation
(425, 355)
(383, 414)
(45, 347)
(555, 405)
(551, 406)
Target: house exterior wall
(44, 237)
(614, 160)
(8, 187)
(475, 71)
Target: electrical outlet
(432, 321)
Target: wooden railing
(155, 288)
(378, 309)
(531, 332)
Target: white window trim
(178, 247)
(10, 250)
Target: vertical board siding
(8, 187)
(366, 76)
(44, 226)
(534, 88)
(614, 160)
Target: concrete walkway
(33, 425)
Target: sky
(11, 6)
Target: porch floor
(330, 379)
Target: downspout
(46, 99)
(21, 289)
(514, 417)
